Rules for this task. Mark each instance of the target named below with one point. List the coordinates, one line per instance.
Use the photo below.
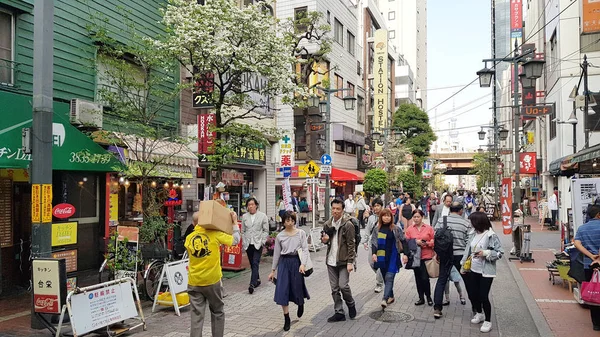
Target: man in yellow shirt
(204, 280)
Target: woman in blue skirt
(290, 285)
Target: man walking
(349, 205)
(338, 235)
(255, 231)
(442, 211)
(377, 206)
(587, 241)
(361, 206)
(460, 228)
(553, 205)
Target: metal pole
(328, 151)
(315, 190)
(586, 106)
(516, 121)
(494, 109)
(574, 138)
(41, 163)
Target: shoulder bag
(433, 267)
(308, 265)
(467, 265)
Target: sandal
(420, 302)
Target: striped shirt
(461, 228)
(589, 235)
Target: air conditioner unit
(86, 114)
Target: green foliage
(124, 258)
(411, 183)
(413, 124)
(376, 182)
(155, 228)
(483, 168)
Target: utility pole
(517, 122)
(41, 163)
(587, 100)
(327, 202)
(494, 98)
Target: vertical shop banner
(205, 135)
(590, 16)
(49, 285)
(527, 161)
(204, 86)
(516, 23)
(505, 205)
(287, 194)
(286, 150)
(36, 200)
(46, 203)
(380, 82)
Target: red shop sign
(63, 211)
(527, 161)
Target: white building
(407, 24)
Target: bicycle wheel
(152, 279)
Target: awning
(71, 150)
(346, 175)
(562, 166)
(587, 154)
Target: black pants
(361, 218)
(440, 285)
(478, 288)
(594, 309)
(554, 217)
(431, 216)
(422, 281)
(254, 258)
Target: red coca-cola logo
(63, 211)
(46, 303)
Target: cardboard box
(213, 215)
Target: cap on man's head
(456, 206)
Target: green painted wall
(74, 52)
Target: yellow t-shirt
(205, 258)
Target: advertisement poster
(64, 233)
(527, 161)
(287, 194)
(584, 192)
(70, 257)
(46, 203)
(590, 16)
(506, 205)
(46, 286)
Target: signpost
(176, 274)
(326, 159)
(325, 169)
(312, 169)
(537, 110)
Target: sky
(458, 39)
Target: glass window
(360, 111)
(339, 145)
(350, 148)
(339, 84)
(392, 34)
(553, 124)
(392, 15)
(338, 32)
(351, 43)
(107, 78)
(351, 91)
(6, 47)
(300, 13)
(79, 189)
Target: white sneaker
(378, 289)
(384, 304)
(486, 326)
(478, 318)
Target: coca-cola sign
(46, 304)
(63, 211)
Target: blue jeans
(388, 291)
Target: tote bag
(590, 291)
(433, 268)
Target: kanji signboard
(49, 285)
(312, 169)
(286, 150)
(527, 161)
(46, 203)
(36, 211)
(505, 205)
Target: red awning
(346, 175)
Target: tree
(484, 168)
(240, 47)
(411, 183)
(413, 125)
(376, 182)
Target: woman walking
(290, 286)
(484, 249)
(433, 205)
(387, 242)
(406, 213)
(423, 234)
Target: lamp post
(588, 99)
(500, 134)
(325, 109)
(573, 121)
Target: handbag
(414, 257)
(467, 265)
(433, 267)
(590, 291)
(308, 265)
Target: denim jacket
(493, 252)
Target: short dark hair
(252, 199)
(556, 188)
(419, 211)
(456, 207)
(288, 215)
(480, 221)
(377, 201)
(593, 210)
(448, 195)
(480, 209)
(337, 201)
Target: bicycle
(153, 273)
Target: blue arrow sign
(326, 159)
(287, 172)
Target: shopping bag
(590, 291)
(433, 267)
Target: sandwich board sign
(176, 274)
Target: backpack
(443, 241)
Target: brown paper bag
(213, 215)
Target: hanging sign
(537, 110)
(527, 161)
(506, 202)
(286, 151)
(64, 233)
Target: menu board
(6, 232)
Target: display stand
(101, 305)
(176, 274)
(315, 239)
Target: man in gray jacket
(371, 224)
(255, 231)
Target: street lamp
(534, 68)
(503, 134)
(485, 77)
(325, 109)
(527, 83)
(573, 121)
(481, 134)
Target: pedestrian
(484, 248)
(303, 211)
(372, 222)
(433, 205)
(553, 205)
(204, 275)
(587, 241)
(387, 243)
(290, 286)
(460, 228)
(454, 278)
(338, 234)
(350, 205)
(442, 211)
(361, 206)
(469, 204)
(295, 203)
(425, 203)
(255, 231)
(423, 234)
(406, 213)
(280, 211)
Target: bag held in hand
(433, 267)
(590, 291)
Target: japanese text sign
(590, 16)
(48, 290)
(64, 233)
(206, 136)
(286, 151)
(203, 90)
(516, 15)
(36, 208)
(506, 205)
(46, 203)
(527, 161)
(538, 110)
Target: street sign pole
(326, 202)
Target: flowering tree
(240, 47)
